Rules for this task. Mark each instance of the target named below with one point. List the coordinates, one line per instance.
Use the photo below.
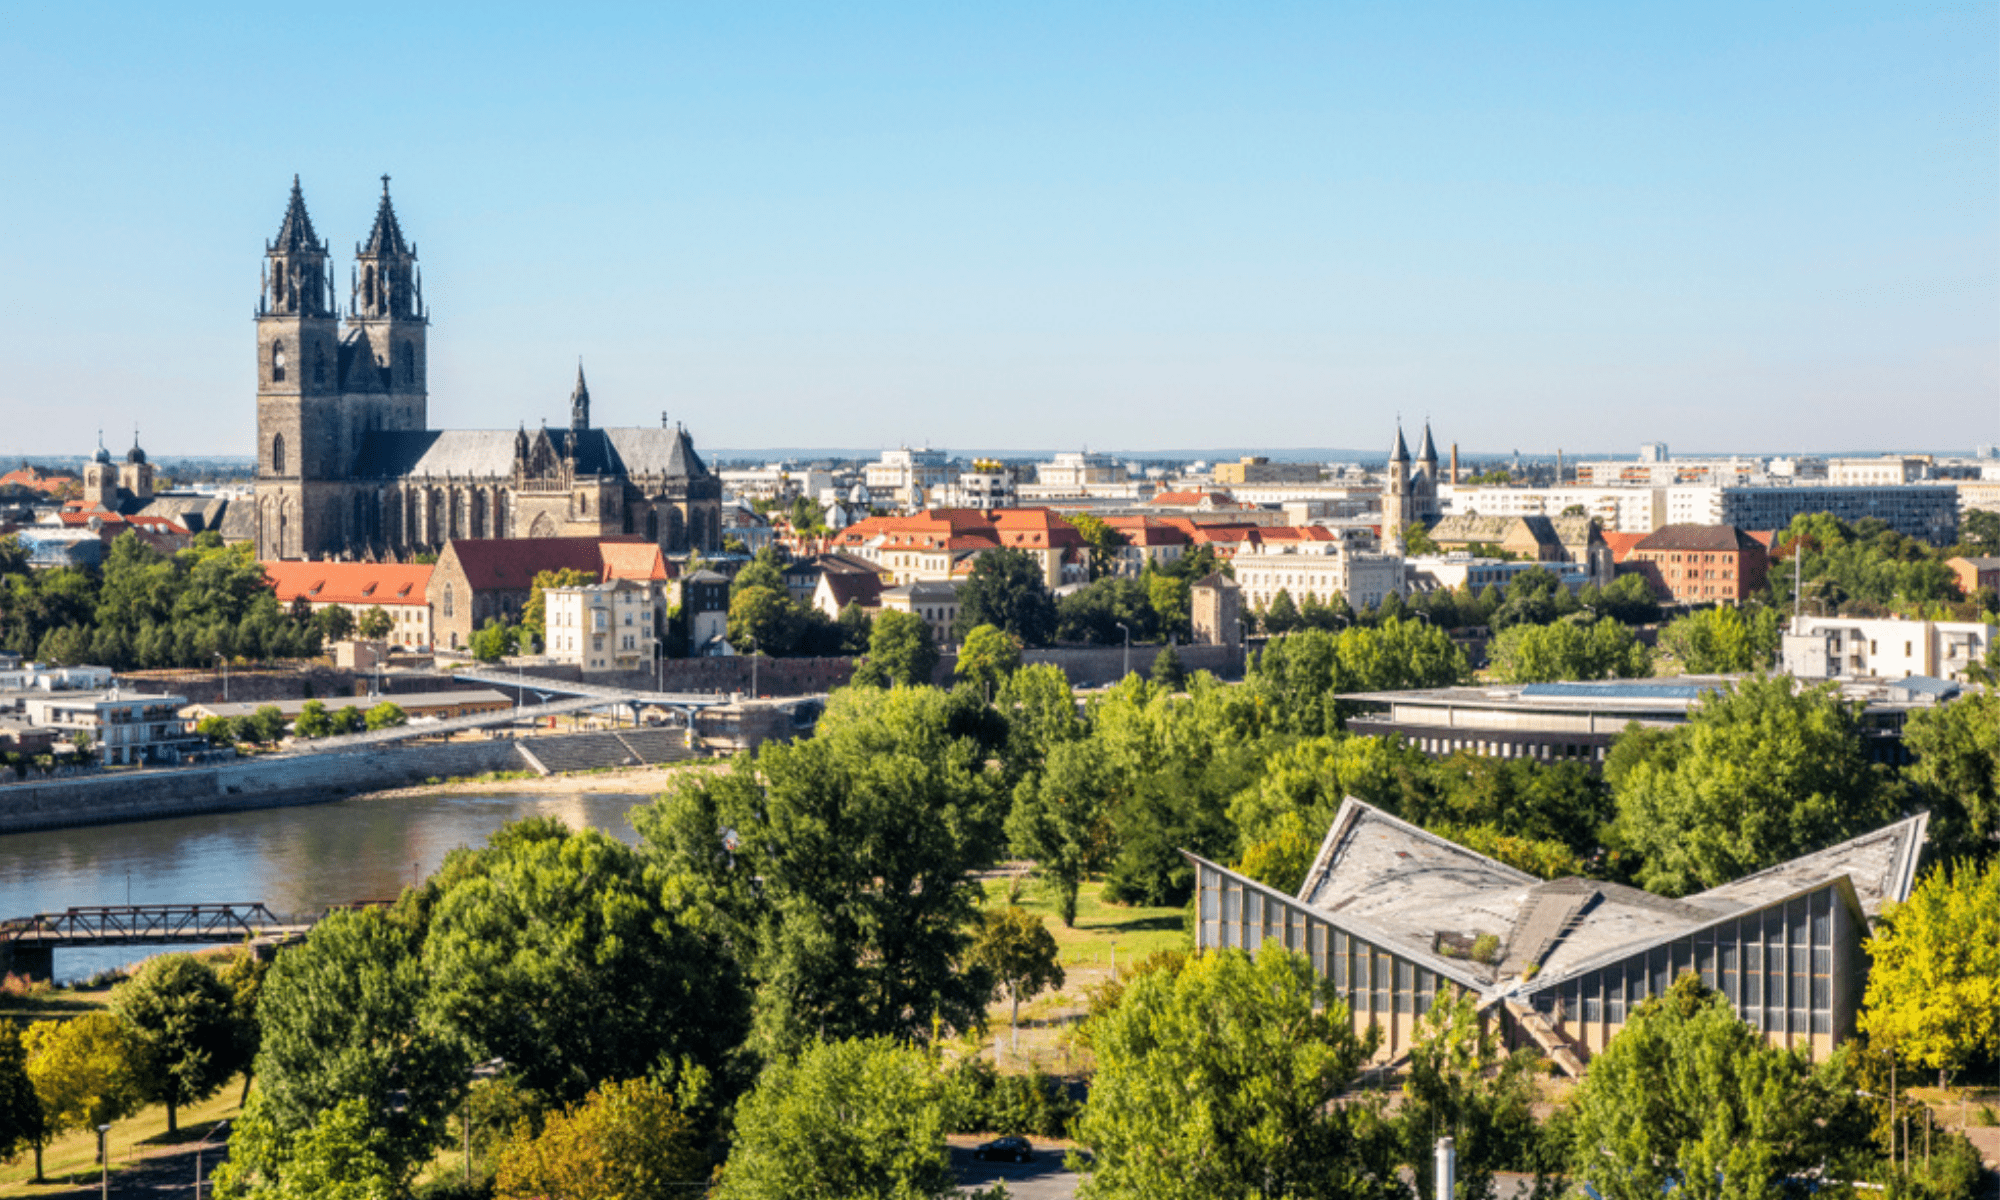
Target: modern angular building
(1394, 916)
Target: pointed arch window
(277, 362)
(319, 364)
(278, 454)
(408, 361)
(368, 288)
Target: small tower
(384, 356)
(579, 401)
(1216, 609)
(100, 479)
(1396, 496)
(1424, 484)
(136, 476)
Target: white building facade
(603, 627)
(1321, 570)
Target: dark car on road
(1014, 1149)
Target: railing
(128, 924)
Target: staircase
(598, 751)
(1559, 1048)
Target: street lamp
(1128, 645)
(225, 675)
(104, 1159)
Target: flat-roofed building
(470, 702)
(1320, 569)
(1891, 648)
(604, 627)
(1397, 919)
(124, 729)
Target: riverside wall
(264, 782)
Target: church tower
(297, 388)
(1424, 486)
(1396, 496)
(383, 363)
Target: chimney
(1559, 466)
(1454, 463)
(1447, 1168)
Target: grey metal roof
(1615, 689)
(489, 453)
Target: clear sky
(1729, 226)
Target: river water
(294, 860)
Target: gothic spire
(296, 233)
(1428, 452)
(1401, 452)
(579, 401)
(387, 237)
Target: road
(1043, 1179)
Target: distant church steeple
(579, 401)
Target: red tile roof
(1699, 537)
(349, 583)
(1621, 543)
(36, 478)
(511, 564)
(634, 560)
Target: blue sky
(1729, 226)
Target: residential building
(1260, 469)
(941, 544)
(987, 486)
(936, 602)
(603, 627)
(1874, 472)
(1857, 648)
(398, 589)
(1576, 540)
(1396, 918)
(1981, 494)
(907, 477)
(18, 676)
(1701, 564)
(1976, 573)
(1078, 471)
(1631, 509)
(1927, 512)
(125, 730)
(1450, 572)
(477, 580)
(1321, 570)
(836, 589)
(1149, 541)
(705, 609)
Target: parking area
(1045, 1178)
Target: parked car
(1015, 1149)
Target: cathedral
(347, 466)
(1411, 497)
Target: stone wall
(258, 686)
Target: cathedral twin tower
(347, 466)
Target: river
(299, 859)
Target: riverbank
(616, 781)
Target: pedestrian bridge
(28, 944)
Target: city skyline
(1133, 229)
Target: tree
(1934, 989)
(1172, 601)
(243, 974)
(345, 720)
(1167, 670)
(1568, 650)
(313, 721)
(548, 949)
(763, 571)
(86, 1071)
(988, 656)
(840, 868)
(183, 1017)
(21, 1122)
(1006, 589)
(1041, 711)
(216, 729)
(344, 1017)
(900, 651)
(535, 613)
(1225, 1079)
(1957, 773)
(334, 622)
(1103, 541)
(763, 620)
(266, 725)
(863, 1119)
(1299, 676)
(1283, 615)
(626, 1141)
(1018, 951)
(1462, 1084)
(344, 1155)
(1095, 612)
(1759, 774)
(387, 715)
(496, 640)
(1725, 640)
(1690, 1099)
(1060, 820)
(375, 623)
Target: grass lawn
(52, 1005)
(71, 1160)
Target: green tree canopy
(1104, 542)
(1957, 773)
(763, 620)
(1761, 773)
(626, 1141)
(313, 721)
(766, 570)
(1725, 640)
(549, 949)
(840, 867)
(86, 1071)
(1019, 954)
(344, 1017)
(185, 1020)
(1462, 1084)
(1604, 649)
(1282, 616)
(346, 1154)
(988, 656)
(21, 1123)
(334, 622)
(375, 623)
(863, 1120)
(1297, 677)
(1934, 989)
(535, 613)
(1167, 670)
(900, 651)
(496, 640)
(1690, 1098)
(1006, 588)
(387, 715)
(1226, 1078)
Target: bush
(1031, 1105)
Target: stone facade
(348, 468)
